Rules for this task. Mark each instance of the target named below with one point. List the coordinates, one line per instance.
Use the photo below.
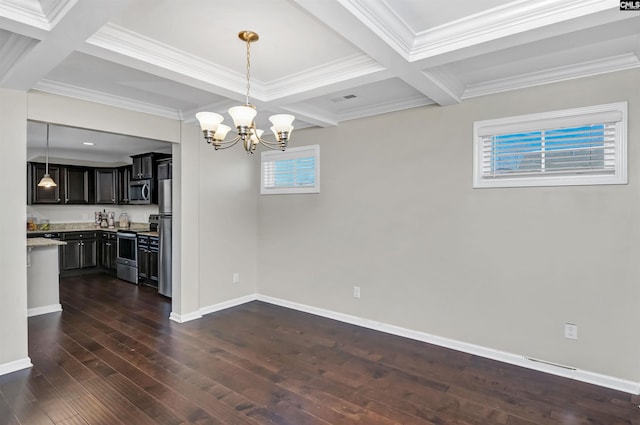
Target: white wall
(13, 259)
(500, 268)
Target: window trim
(546, 120)
(267, 156)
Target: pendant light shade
(46, 180)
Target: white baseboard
(228, 304)
(515, 359)
(212, 309)
(182, 318)
(15, 366)
(36, 311)
(478, 350)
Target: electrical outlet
(356, 292)
(236, 278)
(570, 331)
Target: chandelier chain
(248, 69)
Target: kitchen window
(581, 146)
(296, 170)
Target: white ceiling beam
(462, 46)
(313, 116)
(334, 14)
(72, 26)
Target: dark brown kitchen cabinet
(79, 253)
(124, 177)
(107, 251)
(144, 165)
(43, 195)
(148, 248)
(106, 190)
(74, 184)
(77, 185)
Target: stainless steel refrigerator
(164, 233)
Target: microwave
(140, 191)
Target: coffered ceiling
(325, 61)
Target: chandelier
(243, 119)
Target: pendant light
(46, 180)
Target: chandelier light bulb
(282, 122)
(221, 132)
(255, 140)
(209, 120)
(242, 115)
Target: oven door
(127, 257)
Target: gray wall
(500, 268)
(13, 252)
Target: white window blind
(570, 147)
(296, 170)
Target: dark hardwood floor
(113, 357)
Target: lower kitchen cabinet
(107, 251)
(148, 247)
(79, 253)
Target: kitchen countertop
(86, 227)
(35, 242)
(148, 233)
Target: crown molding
(58, 9)
(81, 93)
(141, 48)
(383, 21)
(384, 108)
(21, 11)
(15, 46)
(314, 116)
(512, 18)
(343, 69)
(120, 40)
(563, 73)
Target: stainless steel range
(127, 256)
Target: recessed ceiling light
(88, 143)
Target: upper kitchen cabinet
(144, 166)
(124, 177)
(78, 185)
(43, 195)
(74, 185)
(106, 185)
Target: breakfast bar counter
(43, 292)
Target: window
(296, 170)
(582, 146)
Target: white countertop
(35, 242)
